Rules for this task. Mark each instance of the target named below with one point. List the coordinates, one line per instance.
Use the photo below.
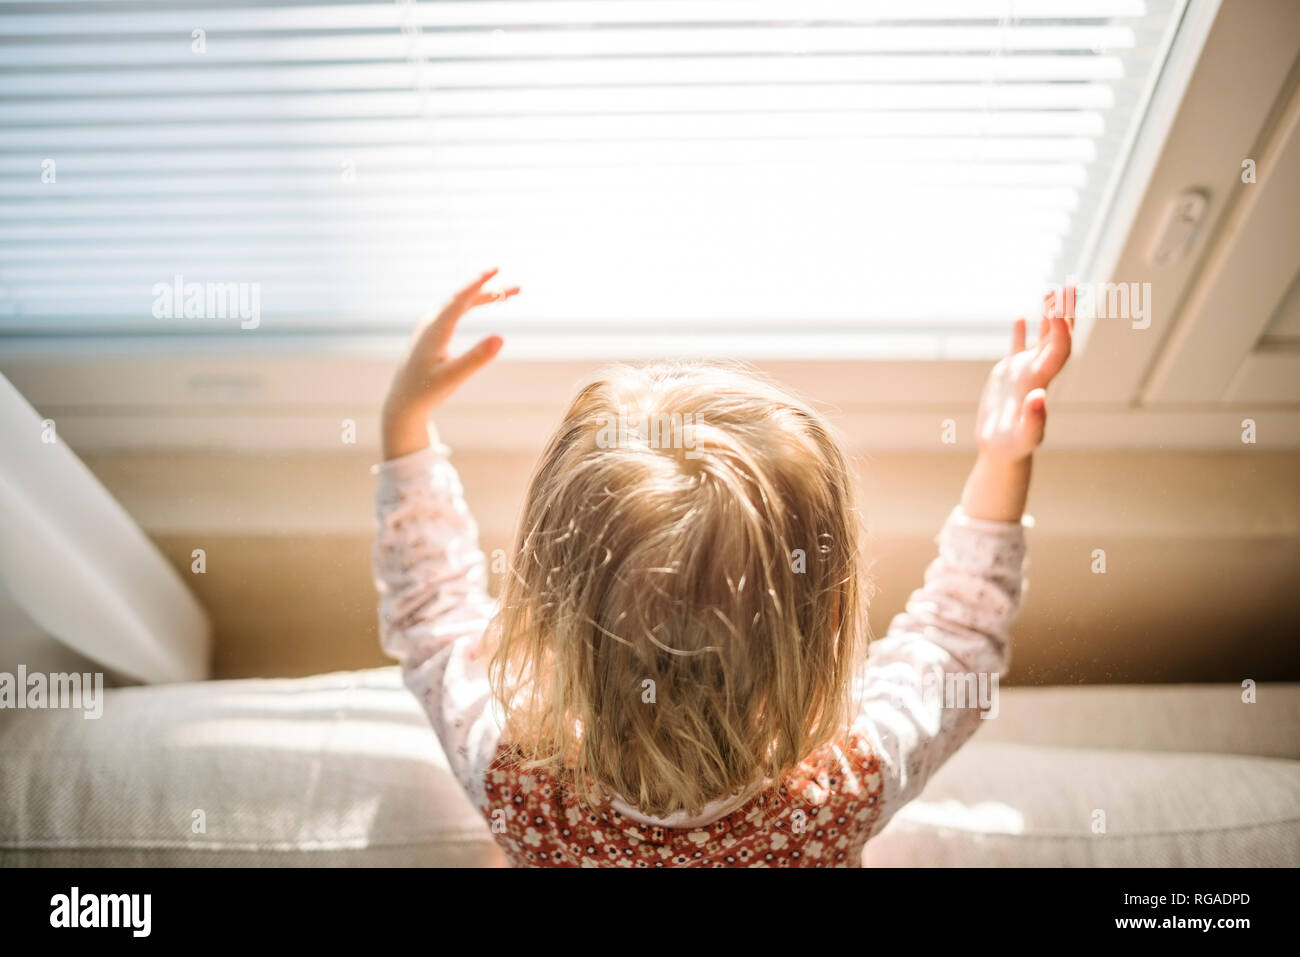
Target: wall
(1202, 553)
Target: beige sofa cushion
(344, 769)
(995, 804)
(333, 769)
(1206, 718)
(1182, 773)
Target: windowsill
(272, 395)
(808, 343)
(185, 386)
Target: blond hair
(684, 608)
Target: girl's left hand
(1013, 409)
(430, 374)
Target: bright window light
(702, 175)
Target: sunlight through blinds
(923, 167)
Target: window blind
(720, 166)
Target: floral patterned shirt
(914, 713)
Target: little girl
(677, 673)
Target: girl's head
(684, 609)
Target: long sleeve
(434, 606)
(927, 684)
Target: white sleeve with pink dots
(434, 605)
(931, 680)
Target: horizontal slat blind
(713, 165)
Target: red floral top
(820, 817)
(434, 609)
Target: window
(902, 178)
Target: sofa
(343, 769)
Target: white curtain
(75, 563)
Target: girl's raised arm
(429, 570)
(934, 677)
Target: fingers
(1034, 416)
(483, 298)
(1061, 304)
(463, 366)
(436, 336)
(1049, 310)
(1055, 335)
(465, 299)
(1053, 351)
(470, 291)
(1018, 337)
